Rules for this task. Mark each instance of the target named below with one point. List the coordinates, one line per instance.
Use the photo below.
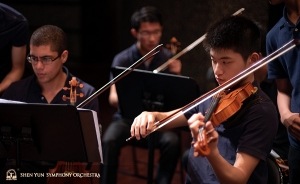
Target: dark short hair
(50, 35)
(145, 14)
(238, 33)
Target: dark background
(97, 30)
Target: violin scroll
(73, 94)
(201, 147)
(173, 46)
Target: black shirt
(14, 31)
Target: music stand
(147, 91)
(48, 132)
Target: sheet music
(9, 101)
(95, 117)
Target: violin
(222, 107)
(71, 167)
(173, 46)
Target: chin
(42, 80)
(151, 47)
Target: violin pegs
(81, 85)
(80, 95)
(174, 40)
(64, 98)
(66, 88)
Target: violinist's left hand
(195, 122)
(175, 67)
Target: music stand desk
(147, 91)
(49, 132)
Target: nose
(39, 65)
(152, 37)
(217, 69)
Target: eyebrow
(225, 57)
(40, 56)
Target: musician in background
(281, 143)
(48, 53)
(14, 34)
(239, 146)
(147, 29)
(285, 70)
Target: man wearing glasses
(147, 29)
(48, 53)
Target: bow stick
(149, 55)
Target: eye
(225, 62)
(34, 58)
(144, 33)
(45, 59)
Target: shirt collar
(287, 22)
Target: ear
(254, 57)
(133, 33)
(64, 56)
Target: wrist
(288, 119)
(213, 154)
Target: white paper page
(95, 116)
(9, 101)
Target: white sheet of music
(8, 101)
(95, 117)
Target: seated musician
(147, 29)
(48, 53)
(240, 145)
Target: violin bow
(226, 85)
(188, 48)
(149, 55)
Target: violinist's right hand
(143, 124)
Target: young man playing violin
(240, 145)
(48, 53)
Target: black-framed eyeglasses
(155, 33)
(45, 60)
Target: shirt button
(296, 29)
(42, 98)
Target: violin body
(226, 107)
(231, 103)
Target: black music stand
(48, 132)
(147, 91)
